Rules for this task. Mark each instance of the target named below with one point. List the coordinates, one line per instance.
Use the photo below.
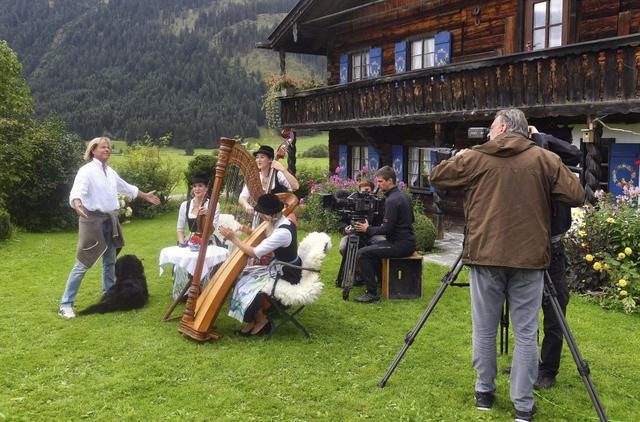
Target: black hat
(200, 178)
(266, 150)
(269, 204)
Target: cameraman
(560, 223)
(397, 225)
(509, 184)
(346, 228)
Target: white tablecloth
(186, 258)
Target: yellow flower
(623, 293)
(582, 233)
(583, 224)
(597, 266)
(622, 282)
(589, 257)
(611, 220)
(621, 256)
(605, 266)
(628, 251)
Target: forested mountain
(126, 67)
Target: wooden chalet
(407, 77)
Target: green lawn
(131, 366)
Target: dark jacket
(509, 184)
(397, 223)
(570, 156)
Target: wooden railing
(586, 78)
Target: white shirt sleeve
(216, 216)
(280, 238)
(125, 188)
(283, 180)
(181, 217)
(80, 187)
(245, 192)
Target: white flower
(128, 212)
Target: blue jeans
(79, 270)
(489, 285)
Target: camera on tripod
(355, 206)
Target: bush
(425, 232)
(39, 166)
(5, 224)
(314, 217)
(317, 151)
(307, 177)
(188, 148)
(200, 165)
(146, 169)
(603, 250)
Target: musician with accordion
(247, 301)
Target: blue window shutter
(397, 156)
(344, 69)
(375, 62)
(623, 166)
(433, 161)
(374, 159)
(342, 160)
(401, 57)
(443, 48)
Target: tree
(15, 96)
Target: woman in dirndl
(247, 299)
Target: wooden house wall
(494, 33)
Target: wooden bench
(402, 277)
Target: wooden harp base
(188, 330)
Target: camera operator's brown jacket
(509, 184)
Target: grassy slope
(131, 366)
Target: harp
(203, 308)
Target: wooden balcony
(597, 77)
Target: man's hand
(149, 197)
(249, 210)
(77, 205)
(362, 227)
(532, 130)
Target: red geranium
(195, 239)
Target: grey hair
(515, 121)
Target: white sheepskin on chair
(312, 251)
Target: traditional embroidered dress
(283, 242)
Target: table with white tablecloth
(185, 261)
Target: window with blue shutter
(443, 48)
(374, 159)
(344, 68)
(397, 158)
(623, 167)
(375, 62)
(342, 161)
(401, 57)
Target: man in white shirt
(94, 197)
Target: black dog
(129, 292)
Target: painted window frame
(361, 154)
(364, 67)
(423, 161)
(529, 24)
(410, 51)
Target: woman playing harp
(246, 303)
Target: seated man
(397, 226)
(345, 227)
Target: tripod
(348, 268)
(549, 292)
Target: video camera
(356, 206)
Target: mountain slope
(123, 67)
